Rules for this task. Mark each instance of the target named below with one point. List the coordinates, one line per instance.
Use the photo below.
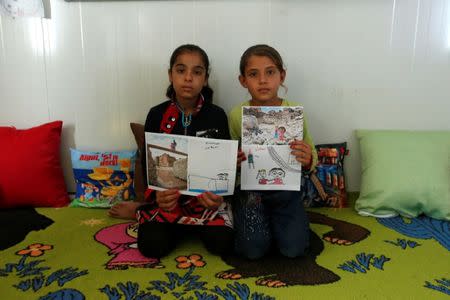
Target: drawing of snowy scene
(271, 125)
(212, 166)
(167, 160)
(266, 133)
(190, 164)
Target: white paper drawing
(266, 134)
(190, 164)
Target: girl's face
(188, 76)
(262, 79)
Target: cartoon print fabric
(350, 257)
(329, 178)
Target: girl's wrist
(308, 166)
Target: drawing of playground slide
(282, 163)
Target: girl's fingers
(167, 199)
(240, 157)
(302, 157)
(168, 205)
(300, 153)
(171, 207)
(202, 201)
(211, 196)
(210, 200)
(300, 145)
(301, 150)
(168, 192)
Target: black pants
(157, 239)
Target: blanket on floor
(80, 253)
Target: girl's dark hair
(206, 91)
(261, 50)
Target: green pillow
(404, 172)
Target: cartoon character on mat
(121, 239)
(275, 270)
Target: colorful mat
(80, 253)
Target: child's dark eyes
(198, 72)
(270, 72)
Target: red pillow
(30, 169)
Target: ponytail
(207, 93)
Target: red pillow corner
(31, 173)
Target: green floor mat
(84, 254)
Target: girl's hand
(302, 152)
(240, 157)
(167, 200)
(210, 200)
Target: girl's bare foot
(124, 210)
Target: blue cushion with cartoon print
(103, 178)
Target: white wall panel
(353, 64)
(22, 73)
(156, 44)
(238, 25)
(64, 65)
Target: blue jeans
(264, 217)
